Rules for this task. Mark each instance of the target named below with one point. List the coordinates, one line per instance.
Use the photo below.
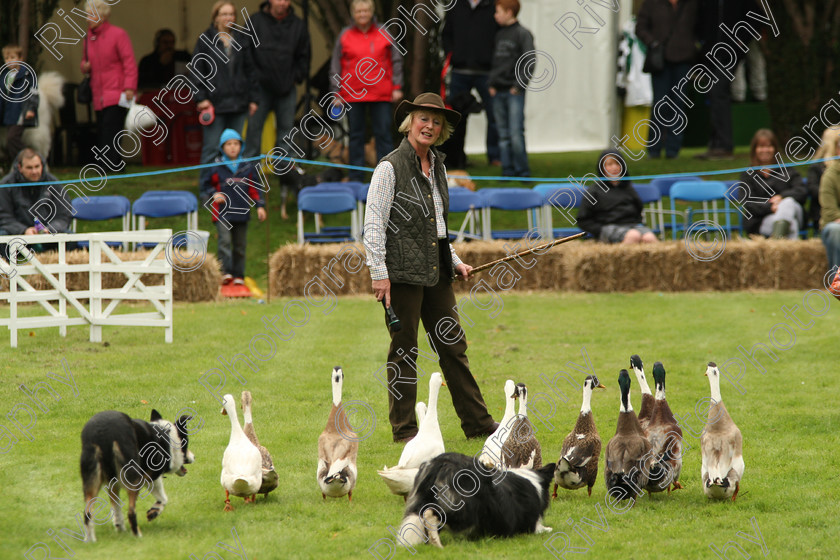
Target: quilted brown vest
(411, 245)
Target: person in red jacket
(109, 59)
(370, 72)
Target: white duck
(427, 444)
(720, 446)
(491, 454)
(242, 462)
(338, 447)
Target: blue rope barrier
(471, 177)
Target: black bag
(654, 59)
(84, 95)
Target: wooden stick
(545, 246)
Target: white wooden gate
(21, 291)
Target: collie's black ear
(181, 424)
(156, 416)
(547, 471)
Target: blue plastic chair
(190, 198)
(341, 188)
(650, 195)
(510, 199)
(462, 199)
(320, 201)
(562, 197)
(99, 208)
(160, 206)
(664, 183)
(705, 192)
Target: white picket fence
(102, 259)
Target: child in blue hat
(230, 190)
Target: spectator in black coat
(672, 23)
(158, 67)
(780, 215)
(611, 210)
(236, 89)
(282, 60)
(33, 209)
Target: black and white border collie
(453, 491)
(133, 454)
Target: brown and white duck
(665, 436)
(521, 448)
(722, 464)
(270, 479)
(578, 463)
(628, 459)
(338, 447)
(647, 397)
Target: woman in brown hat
(412, 266)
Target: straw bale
(201, 284)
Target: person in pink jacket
(109, 59)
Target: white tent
(577, 107)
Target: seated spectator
(158, 67)
(611, 211)
(825, 151)
(830, 206)
(780, 216)
(33, 209)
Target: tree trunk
(802, 73)
(23, 27)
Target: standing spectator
(711, 16)
(412, 267)
(282, 60)
(158, 67)
(18, 98)
(512, 43)
(781, 215)
(670, 23)
(468, 36)
(382, 85)
(612, 212)
(231, 208)
(815, 173)
(235, 87)
(19, 206)
(109, 60)
(830, 207)
(757, 73)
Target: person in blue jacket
(230, 191)
(18, 99)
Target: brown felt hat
(426, 101)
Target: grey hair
(446, 130)
(100, 7)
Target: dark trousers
(232, 243)
(110, 122)
(663, 82)
(381, 121)
(720, 114)
(14, 141)
(465, 83)
(413, 303)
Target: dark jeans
(466, 82)
(232, 243)
(110, 122)
(662, 84)
(14, 141)
(510, 121)
(210, 138)
(380, 120)
(413, 303)
(720, 113)
(831, 240)
(283, 107)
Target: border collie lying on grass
(451, 491)
(133, 454)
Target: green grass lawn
(264, 238)
(788, 418)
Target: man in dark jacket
(468, 35)
(33, 209)
(282, 60)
